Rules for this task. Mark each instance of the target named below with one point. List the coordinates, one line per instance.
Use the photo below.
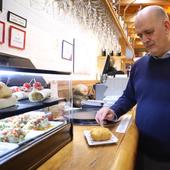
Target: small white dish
(6, 147)
(91, 142)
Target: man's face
(152, 34)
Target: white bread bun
(5, 91)
(7, 102)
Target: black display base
(27, 106)
(84, 122)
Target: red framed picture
(2, 32)
(17, 38)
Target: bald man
(153, 27)
(149, 88)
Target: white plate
(56, 123)
(91, 142)
(35, 133)
(7, 147)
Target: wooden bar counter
(78, 155)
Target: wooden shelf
(120, 63)
(124, 58)
(117, 24)
(101, 60)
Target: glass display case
(33, 125)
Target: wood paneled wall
(63, 86)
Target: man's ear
(167, 25)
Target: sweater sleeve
(127, 100)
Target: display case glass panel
(32, 114)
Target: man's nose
(145, 38)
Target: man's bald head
(153, 11)
(153, 27)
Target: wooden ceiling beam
(145, 2)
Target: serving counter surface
(79, 155)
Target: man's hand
(104, 113)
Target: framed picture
(1, 5)
(16, 19)
(17, 38)
(67, 50)
(2, 32)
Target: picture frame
(1, 5)
(17, 38)
(67, 50)
(2, 32)
(16, 19)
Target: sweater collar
(166, 55)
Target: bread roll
(39, 95)
(100, 134)
(5, 91)
(20, 95)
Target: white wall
(44, 34)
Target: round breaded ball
(100, 134)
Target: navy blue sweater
(149, 88)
